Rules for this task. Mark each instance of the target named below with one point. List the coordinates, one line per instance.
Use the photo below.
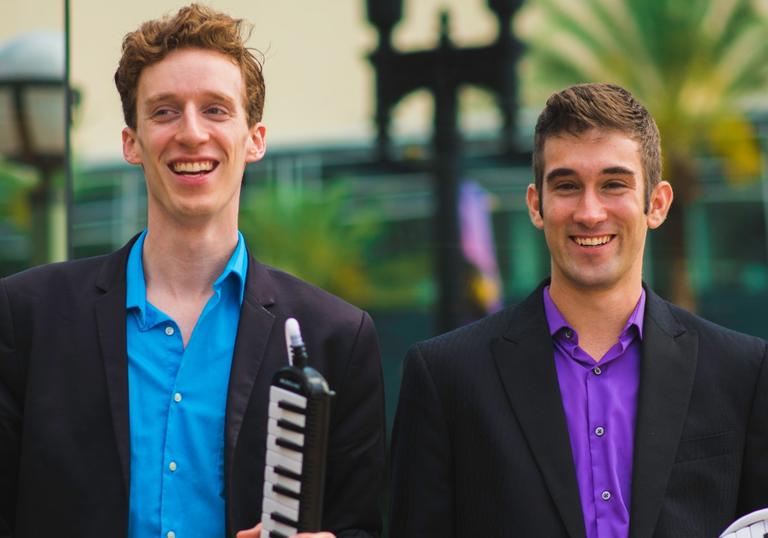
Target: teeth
(193, 167)
(592, 241)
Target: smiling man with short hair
(134, 386)
(593, 409)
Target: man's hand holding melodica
(256, 533)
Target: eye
(615, 184)
(163, 113)
(565, 186)
(216, 110)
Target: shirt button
(169, 330)
(170, 534)
(606, 495)
(177, 397)
(172, 466)
(596, 370)
(599, 431)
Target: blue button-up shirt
(177, 401)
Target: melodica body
(297, 441)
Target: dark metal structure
(442, 71)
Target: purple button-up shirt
(600, 402)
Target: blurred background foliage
(15, 182)
(321, 233)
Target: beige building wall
(319, 82)
(17, 16)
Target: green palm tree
(322, 234)
(693, 63)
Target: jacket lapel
(110, 323)
(667, 373)
(253, 333)
(525, 359)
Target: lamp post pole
(442, 71)
(41, 202)
(447, 168)
(70, 99)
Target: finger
(250, 533)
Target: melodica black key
(297, 441)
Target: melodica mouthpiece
(293, 332)
(297, 353)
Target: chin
(195, 211)
(592, 280)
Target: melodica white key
(297, 440)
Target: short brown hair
(580, 108)
(193, 26)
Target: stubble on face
(593, 213)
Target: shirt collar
(136, 287)
(557, 322)
(237, 268)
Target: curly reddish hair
(193, 26)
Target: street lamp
(442, 71)
(33, 128)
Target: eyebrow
(559, 172)
(618, 170)
(158, 98)
(567, 172)
(161, 97)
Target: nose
(192, 131)
(590, 210)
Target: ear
(131, 151)
(257, 143)
(659, 204)
(532, 200)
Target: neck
(598, 316)
(186, 260)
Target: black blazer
(481, 446)
(64, 420)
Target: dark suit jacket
(481, 446)
(64, 420)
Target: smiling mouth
(192, 168)
(595, 241)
